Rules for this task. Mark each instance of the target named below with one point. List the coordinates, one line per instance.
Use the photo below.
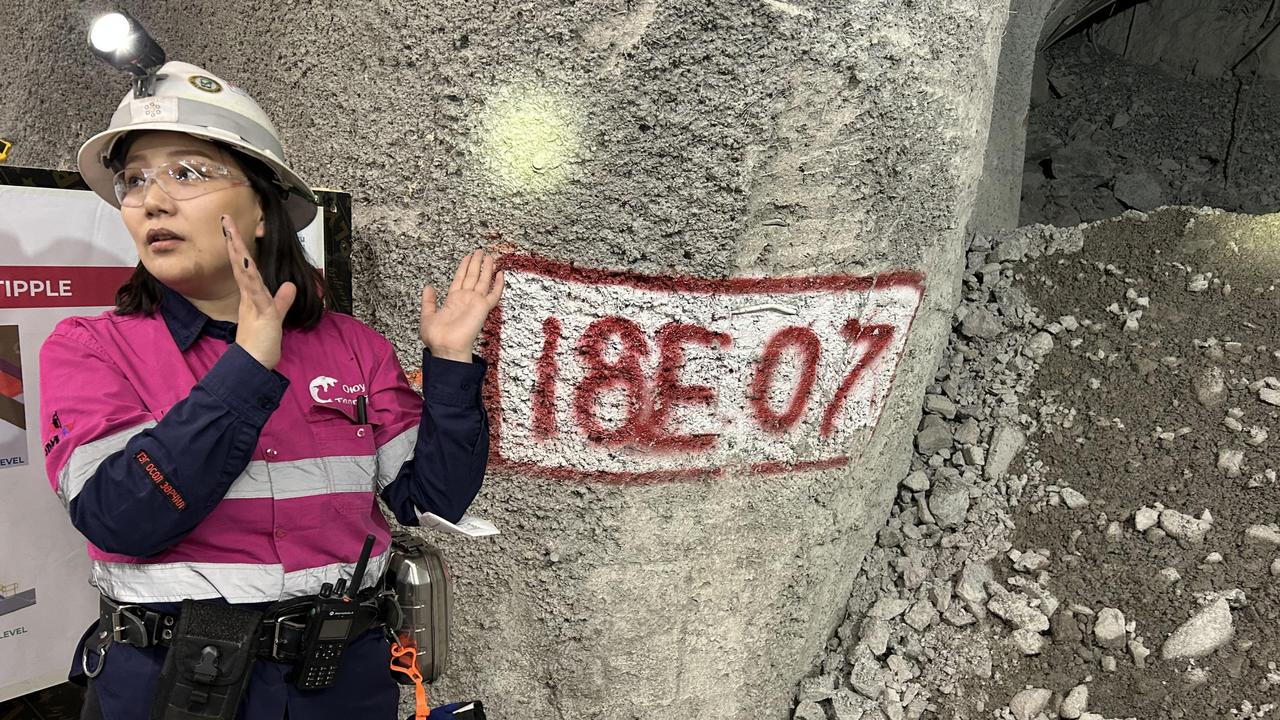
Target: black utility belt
(282, 632)
(212, 645)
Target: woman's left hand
(450, 331)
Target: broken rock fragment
(980, 323)
(1073, 498)
(1027, 704)
(1006, 443)
(934, 435)
(1206, 631)
(917, 481)
(921, 615)
(1075, 703)
(887, 608)
(1038, 346)
(1114, 533)
(890, 537)
(1230, 462)
(809, 710)
(1263, 535)
(1108, 629)
(1139, 653)
(1145, 519)
(969, 432)
(940, 405)
(970, 588)
(1045, 601)
(1028, 641)
(1210, 386)
(1184, 527)
(875, 636)
(1030, 562)
(949, 501)
(867, 677)
(1016, 610)
(1065, 629)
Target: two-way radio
(329, 627)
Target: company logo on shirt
(63, 431)
(323, 385)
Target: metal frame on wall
(336, 207)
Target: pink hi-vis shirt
(195, 472)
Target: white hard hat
(190, 100)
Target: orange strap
(405, 660)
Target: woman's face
(180, 241)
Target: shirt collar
(186, 323)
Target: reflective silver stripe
(192, 112)
(305, 478)
(237, 582)
(395, 453)
(283, 480)
(85, 459)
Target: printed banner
(65, 253)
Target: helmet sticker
(154, 109)
(205, 83)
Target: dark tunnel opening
(1137, 105)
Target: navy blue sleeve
(451, 452)
(145, 498)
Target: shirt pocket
(347, 453)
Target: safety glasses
(180, 180)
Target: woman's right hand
(261, 322)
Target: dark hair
(279, 256)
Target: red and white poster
(62, 253)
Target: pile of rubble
(968, 607)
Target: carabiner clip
(405, 660)
(102, 656)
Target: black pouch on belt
(207, 668)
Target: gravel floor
(1091, 525)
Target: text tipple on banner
(636, 378)
(66, 286)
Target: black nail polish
(246, 263)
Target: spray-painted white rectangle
(635, 378)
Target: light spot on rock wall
(528, 139)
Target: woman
(221, 436)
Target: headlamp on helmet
(123, 43)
